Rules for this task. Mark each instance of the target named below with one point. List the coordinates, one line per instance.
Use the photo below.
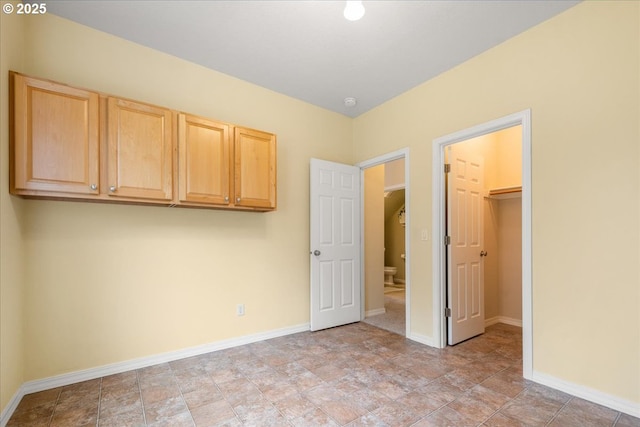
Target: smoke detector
(350, 102)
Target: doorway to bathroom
(385, 242)
(347, 271)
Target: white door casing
(465, 287)
(334, 244)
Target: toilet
(389, 272)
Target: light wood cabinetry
(222, 165)
(204, 148)
(69, 143)
(140, 152)
(255, 168)
(56, 139)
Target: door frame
(385, 158)
(522, 118)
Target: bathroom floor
(355, 375)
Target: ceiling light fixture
(354, 10)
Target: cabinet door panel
(255, 169)
(203, 152)
(140, 150)
(56, 138)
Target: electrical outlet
(424, 235)
(240, 309)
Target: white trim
(386, 158)
(422, 339)
(375, 312)
(11, 406)
(503, 319)
(395, 155)
(143, 362)
(394, 187)
(586, 393)
(116, 368)
(595, 396)
(438, 217)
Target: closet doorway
(483, 183)
(440, 247)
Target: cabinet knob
(226, 198)
(112, 188)
(238, 200)
(94, 187)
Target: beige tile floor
(355, 375)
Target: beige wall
(394, 238)
(509, 258)
(394, 174)
(578, 72)
(509, 157)
(109, 283)
(394, 244)
(11, 226)
(374, 238)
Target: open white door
(465, 284)
(335, 244)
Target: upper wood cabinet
(204, 170)
(255, 169)
(140, 153)
(55, 139)
(216, 172)
(70, 143)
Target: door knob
(484, 253)
(112, 188)
(317, 252)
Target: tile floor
(355, 375)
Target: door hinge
(447, 240)
(447, 167)
(447, 312)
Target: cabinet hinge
(447, 240)
(447, 312)
(447, 167)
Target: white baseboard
(422, 339)
(11, 407)
(503, 319)
(143, 362)
(586, 393)
(580, 391)
(374, 312)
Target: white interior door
(335, 244)
(465, 284)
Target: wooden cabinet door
(204, 168)
(55, 138)
(140, 153)
(255, 169)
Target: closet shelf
(505, 193)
